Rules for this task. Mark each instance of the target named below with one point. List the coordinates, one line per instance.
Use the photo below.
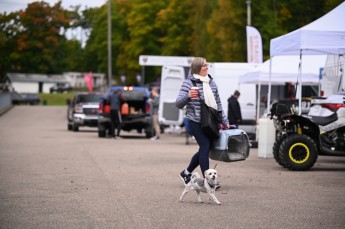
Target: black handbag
(209, 121)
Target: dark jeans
(205, 144)
(115, 118)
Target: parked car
(139, 116)
(61, 87)
(30, 98)
(25, 98)
(82, 110)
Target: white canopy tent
(285, 70)
(325, 35)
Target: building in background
(42, 83)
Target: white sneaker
(155, 138)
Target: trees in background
(33, 40)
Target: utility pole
(109, 44)
(248, 13)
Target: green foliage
(95, 56)
(58, 99)
(228, 28)
(143, 36)
(40, 42)
(75, 55)
(33, 40)
(199, 14)
(7, 41)
(171, 21)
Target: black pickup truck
(139, 117)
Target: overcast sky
(15, 5)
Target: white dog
(207, 185)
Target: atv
(301, 139)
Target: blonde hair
(197, 63)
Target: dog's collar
(211, 185)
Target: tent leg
(300, 84)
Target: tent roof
(325, 35)
(285, 69)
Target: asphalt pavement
(54, 178)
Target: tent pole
(258, 103)
(300, 84)
(269, 86)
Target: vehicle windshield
(88, 98)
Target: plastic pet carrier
(232, 145)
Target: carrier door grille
(238, 147)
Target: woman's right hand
(193, 93)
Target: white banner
(254, 45)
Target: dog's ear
(205, 173)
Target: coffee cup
(195, 93)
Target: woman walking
(206, 91)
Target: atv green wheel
(298, 152)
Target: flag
(88, 81)
(254, 45)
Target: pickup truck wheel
(75, 127)
(69, 126)
(149, 132)
(148, 135)
(298, 152)
(101, 131)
